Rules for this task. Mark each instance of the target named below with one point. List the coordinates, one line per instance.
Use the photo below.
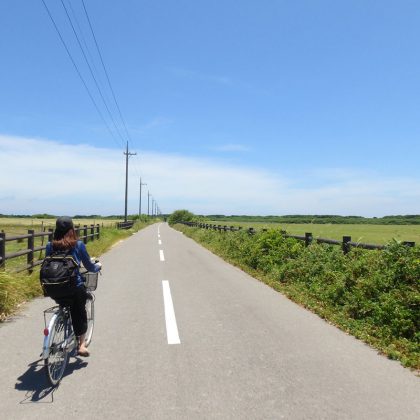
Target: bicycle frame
(60, 340)
(70, 341)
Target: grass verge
(373, 295)
(18, 288)
(373, 234)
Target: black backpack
(58, 274)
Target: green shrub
(180, 216)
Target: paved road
(232, 348)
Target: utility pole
(148, 203)
(153, 207)
(141, 183)
(127, 155)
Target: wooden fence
(85, 233)
(125, 225)
(346, 243)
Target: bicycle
(59, 338)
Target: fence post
(409, 244)
(2, 249)
(308, 238)
(346, 245)
(97, 231)
(92, 232)
(30, 255)
(85, 234)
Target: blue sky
(234, 107)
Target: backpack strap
(61, 251)
(64, 254)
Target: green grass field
(374, 234)
(20, 226)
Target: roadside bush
(15, 289)
(180, 216)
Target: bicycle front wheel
(90, 319)
(56, 361)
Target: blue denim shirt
(80, 254)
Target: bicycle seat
(64, 301)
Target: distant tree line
(77, 216)
(320, 219)
(180, 215)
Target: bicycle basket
(91, 281)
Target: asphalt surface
(228, 347)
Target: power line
(106, 72)
(95, 75)
(82, 36)
(91, 72)
(78, 72)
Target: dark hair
(62, 225)
(68, 241)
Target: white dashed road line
(171, 327)
(170, 320)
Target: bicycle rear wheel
(56, 361)
(90, 319)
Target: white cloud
(38, 176)
(46, 176)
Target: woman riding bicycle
(65, 239)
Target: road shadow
(36, 385)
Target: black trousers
(77, 304)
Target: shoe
(83, 353)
